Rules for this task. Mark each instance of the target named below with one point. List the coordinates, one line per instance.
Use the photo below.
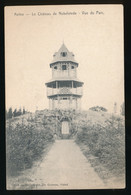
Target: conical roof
(63, 54)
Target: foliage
(14, 113)
(123, 109)
(9, 113)
(26, 142)
(106, 143)
(29, 137)
(98, 108)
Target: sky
(32, 36)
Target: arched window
(55, 67)
(63, 54)
(72, 67)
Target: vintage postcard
(65, 120)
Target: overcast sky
(96, 40)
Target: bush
(98, 108)
(106, 143)
(25, 144)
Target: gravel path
(64, 167)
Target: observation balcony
(64, 91)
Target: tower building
(64, 90)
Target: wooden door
(65, 127)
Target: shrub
(25, 144)
(98, 108)
(106, 143)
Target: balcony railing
(64, 91)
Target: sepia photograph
(65, 107)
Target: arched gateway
(65, 127)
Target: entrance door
(65, 127)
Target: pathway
(64, 167)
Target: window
(64, 67)
(63, 54)
(64, 98)
(55, 67)
(72, 67)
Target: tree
(98, 108)
(122, 111)
(15, 112)
(9, 113)
(115, 107)
(6, 114)
(19, 112)
(24, 111)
